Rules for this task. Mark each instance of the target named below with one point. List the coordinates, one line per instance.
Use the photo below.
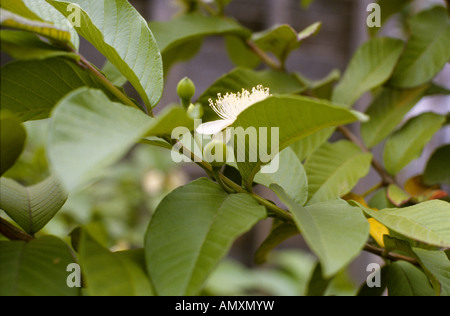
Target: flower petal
(214, 127)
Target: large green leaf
(334, 169)
(387, 111)
(280, 40)
(240, 78)
(191, 230)
(404, 279)
(427, 51)
(32, 207)
(35, 268)
(335, 231)
(438, 169)
(428, 222)
(111, 274)
(289, 175)
(12, 140)
(122, 35)
(305, 147)
(294, 117)
(438, 265)
(407, 143)
(434, 263)
(88, 132)
(25, 45)
(41, 11)
(372, 64)
(30, 89)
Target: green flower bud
(195, 111)
(215, 152)
(186, 90)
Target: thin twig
(385, 177)
(391, 256)
(263, 56)
(12, 232)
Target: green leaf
(437, 170)
(282, 39)
(294, 117)
(305, 147)
(404, 279)
(12, 140)
(317, 284)
(438, 265)
(388, 8)
(428, 222)
(169, 119)
(371, 65)
(240, 78)
(400, 150)
(122, 35)
(322, 88)
(335, 231)
(89, 132)
(240, 54)
(32, 207)
(113, 74)
(35, 268)
(191, 27)
(111, 274)
(183, 247)
(181, 38)
(14, 21)
(40, 10)
(397, 195)
(30, 89)
(427, 51)
(289, 175)
(334, 169)
(387, 111)
(25, 45)
(380, 200)
(279, 233)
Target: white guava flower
(230, 106)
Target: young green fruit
(215, 153)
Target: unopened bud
(186, 90)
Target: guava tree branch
(390, 256)
(12, 232)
